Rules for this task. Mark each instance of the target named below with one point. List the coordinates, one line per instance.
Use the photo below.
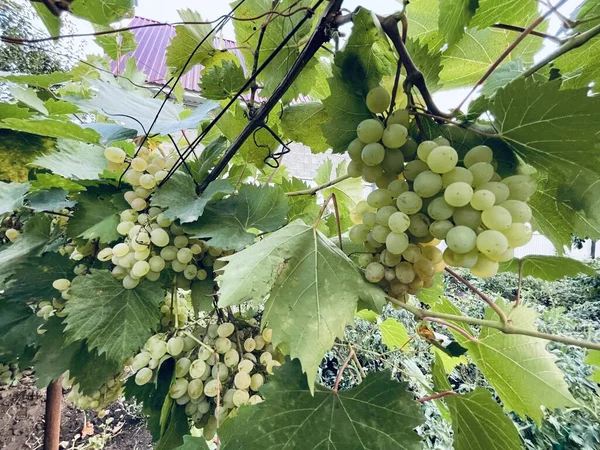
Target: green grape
(372, 154)
(374, 272)
(438, 209)
(184, 255)
(249, 345)
(394, 136)
(393, 161)
(178, 388)
(398, 222)
(483, 199)
(379, 198)
(396, 243)
(372, 173)
(442, 159)
(143, 376)
(492, 243)
(380, 233)
(158, 349)
(424, 149)
(414, 168)
(496, 218)
(256, 381)
(466, 260)
(504, 257)
(370, 220)
(385, 179)
(175, 346)
(424, 269)
(521, 187)
(182, 367)
(130, 283)
(378, 100)
(398, 288)
(427, 184)
(114, 154)
(242, 380)
(139, 164)
(499, 190)
(461, 239)
(141, 360)
(518, 234)
(181, 241)
(358, 234)
(265, 358)
(220, 371)
(405, 272)
(449, 257)
(156, 263)
(455, 175)
(140, 269)
(369, 131)
(197, 368)
(389, 274)
(222, 345)
(246, 365)
(372, 242)
(212, 388)
(271, 365)
(441, 140)
(362, 207)
(124, 227)
(478, 154)
(482, 173)
(419, 225)
(383, 214)
(409, 203)
(467, 216)
(484, 267)
(432, 253)
(399, 116)
(355, 149)
(398, 187)
(240, 397)
(159, 237)
(225, 329)
(412, 253)
(389, 259)
(364, 259)
(409, 149)
(355, 169)
(167, 253)
(195, 388)
(519, 211)
(129, 215)
(458, 194)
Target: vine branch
(483, 296)
(503, 26)
(454, 327)
(506, 328)
(341, 371)
(436, 396)
(313, 191)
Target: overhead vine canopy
(166, 253)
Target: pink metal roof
(151, 53)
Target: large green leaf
(202, 294)
(226, 222)
(51, 22)
(202, 165)
(301, 122)
(222, 82)
(53, 199)
(593, 359)
(17, 150)
(178, 197)
(377, 414)
(549, 268)
(114, 320)
(503, 75)
(302, 207)
(74, 160)
(348, 192)
(18, 327)
(185, 41)
(429, 62)
(423, 17)
(514, 12)
(12, 196)
(293, 269)
(115, 45)
(479, 422)
(43, 80)
(583, 63)
(175, 427)
(28, 97)
(96, 216)
(393, 334)
(519, 368)
(193, 443)
(454, 17)
(103, 12)
(51, 127)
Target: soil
(22, 409)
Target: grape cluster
(152, 242)
(430, 198)
(98, 401)
(217, 369)
(10, 374)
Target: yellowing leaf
(394, 334)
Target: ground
(22, 423)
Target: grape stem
(314, 190)
(454, 327)
(336, 213)
(198, 341)
(518, 300)
(484, 297)
(359, 367)
(341, 371)
(507, 328)
(435, 396)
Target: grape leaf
(17, 150)
(503, 75)
(379, 413)
(301, 122)
(449, 362)
(54, 199)
(593, 359)
(519, 368)
(28, 97)
(46, 181)
(193, 443)
(293, 269)
(12, 196)
(18, 327)
(50, 127)
(179, 200)
(225, 222)
(58, 107)
(14, 110)
(432, 295)
(394, 334)
(346, 109)
(187, 39)
(549, 268)
(42, 80)
(368, 315)
(51, 22)
(515, 12)
(74, 160)
(202, 294)
(454, 17)
(583, 63)
(423, 17)
(114, 320)
(115, 45)
(222, 82)
(111, 132)
(348, 192)
(96, 216)
(175, 428)
(430, 63)
(479, 422)
(367, 57)
(202, 165)
(301, 206)
(103, 12)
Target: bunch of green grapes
(47, 309)
(216, 371)
(10, 374)
(176, 311)
(98, 401)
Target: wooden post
(53, 413)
